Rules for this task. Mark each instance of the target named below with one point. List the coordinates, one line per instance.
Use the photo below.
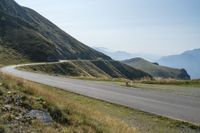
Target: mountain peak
(136, 59)
(195, 52)
(35, 37)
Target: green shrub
(57, 114)
(1, 92)
(2, 130)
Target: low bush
(57, 114)
(1, 92)
(2, 130)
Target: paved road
(169, 105)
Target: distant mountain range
(156, 70)
(190, 60)
(34, 37)
(122, 55)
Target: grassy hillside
(18, 97)
(98, 69)
(156, 70)
(173, 82)
(9, 56)
(22, 38)
(74, 113)
(189, 89)
(35, 37)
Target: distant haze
(123, 55)
(158, 27)
(190, 60)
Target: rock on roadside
(42, 116)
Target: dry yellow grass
(96, 120)
(87, 115)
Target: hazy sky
(160, 27)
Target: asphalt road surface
(178, 107)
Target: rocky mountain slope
(30, 34)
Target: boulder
(41, 115)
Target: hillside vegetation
(9, 56)
(19, 97)
(97, 69)
(33, 36)
(156, 70)
(195, 82)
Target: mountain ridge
(190, 60)
(157, 71)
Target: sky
(157, 27)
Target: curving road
(169, 105)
